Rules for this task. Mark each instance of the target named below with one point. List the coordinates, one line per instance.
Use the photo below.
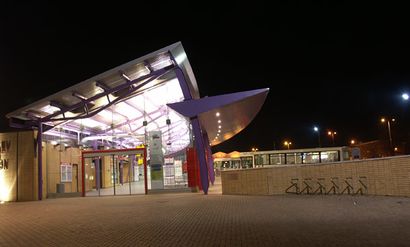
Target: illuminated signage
(4, 148)
(4, 164)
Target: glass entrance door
(114, 172)
(127, 176)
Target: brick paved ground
(187, 219)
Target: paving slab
(193, 219)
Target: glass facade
(114, 175)
(291, 157)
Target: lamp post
(316, 129)
(254, 158)
(383, 120)
(286, 143)
(332, 134)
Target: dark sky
(340, 66)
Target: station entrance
(114, 172)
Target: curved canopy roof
(122, 105)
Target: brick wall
(384, 176)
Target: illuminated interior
(103, 112)
(125, 107)
(122, 124)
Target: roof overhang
(119, 104)
(131, 99)
(223, 116)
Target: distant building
(365, 150)
(378, 149)
(237, 160)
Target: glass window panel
(329, 156)
(66, 172)
(247, 162)
(311, 158)
(128, 110)
(277, 159)
(291, 158)
(174, 91)
(88, 122)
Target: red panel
(82, 176)
(194, 179)
(145, 171)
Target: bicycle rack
(307, 188)
(335, 187)
(294, 183)
(321, 189)
(362, 182)
(349, 187)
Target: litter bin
(60, 188)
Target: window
(311, 158)
(329, 156)
(277, 159)
(247, 162)
(66, 172)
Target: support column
(209, 159)
(196, 127)
(200, 147)
(40, 160)
(145, 170)
(97, 169)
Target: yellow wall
(90, 178)
(386, 176)
(107, 170)
(8, 178)
(21, 161)
(53, 157)
(19, 182)
(27, 167)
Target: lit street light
(405, 96)
(383, 120)
(254, 149)
(286, 143)
(352, 142)
(316, 129)
(332, 134)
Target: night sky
(339, 66)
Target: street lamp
(254, 149)
(332, 134)
(352, 141)
(316, 129)
(383, 120)
(286, 143)
(405, 96)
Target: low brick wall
(385, 176)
